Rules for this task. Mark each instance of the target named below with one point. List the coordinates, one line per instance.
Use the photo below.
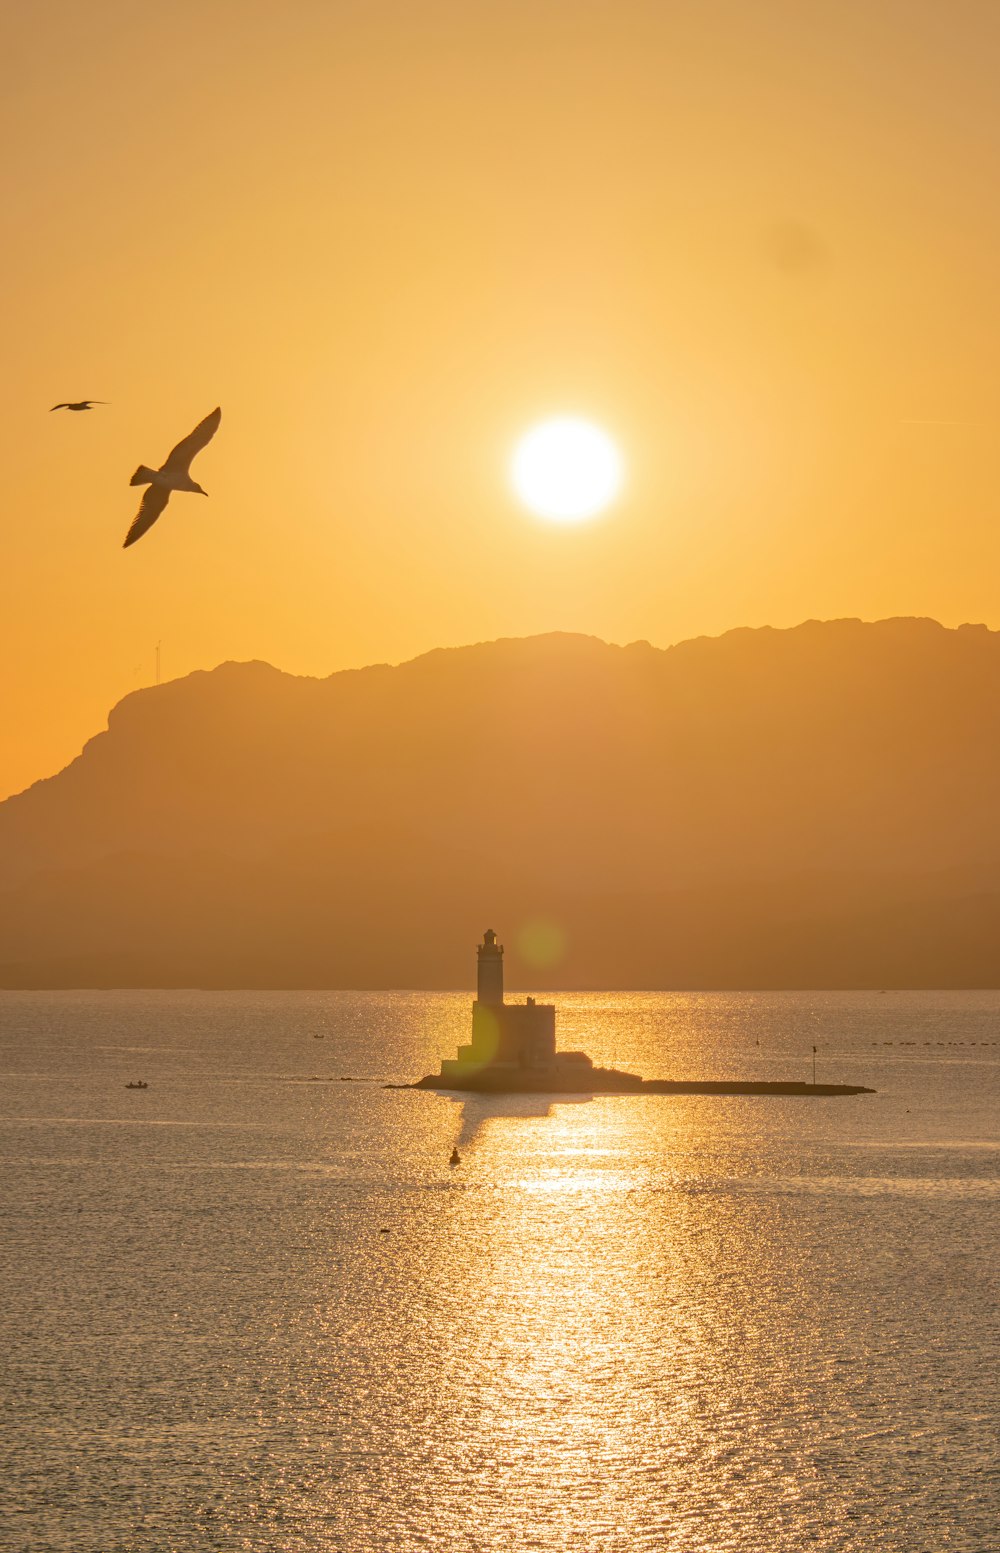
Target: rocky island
(513, 1051)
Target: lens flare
(541, 943)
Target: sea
(254, 1306)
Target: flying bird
(81, 404)
(172, 475)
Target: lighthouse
(489, 979)
(506, 1037)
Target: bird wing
(63, 406)
(180, 457)
(152, 505)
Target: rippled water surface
(253, 1307)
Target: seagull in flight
(172, 475)
(81, 404)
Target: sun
(566, 469)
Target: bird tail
(142, 476)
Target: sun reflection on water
(572, 1323)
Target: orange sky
(758, 242)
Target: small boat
(456, 1158)
(137, 1084)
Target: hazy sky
(757, 241)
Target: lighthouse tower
(489, 981)
(513, 1044)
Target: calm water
(683, 1323)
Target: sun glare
(566, 469)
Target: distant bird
(173, 475)
(81, 404)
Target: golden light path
(566, 469)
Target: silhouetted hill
(767, 808)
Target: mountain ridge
(807, 806)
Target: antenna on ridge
(157, 663)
